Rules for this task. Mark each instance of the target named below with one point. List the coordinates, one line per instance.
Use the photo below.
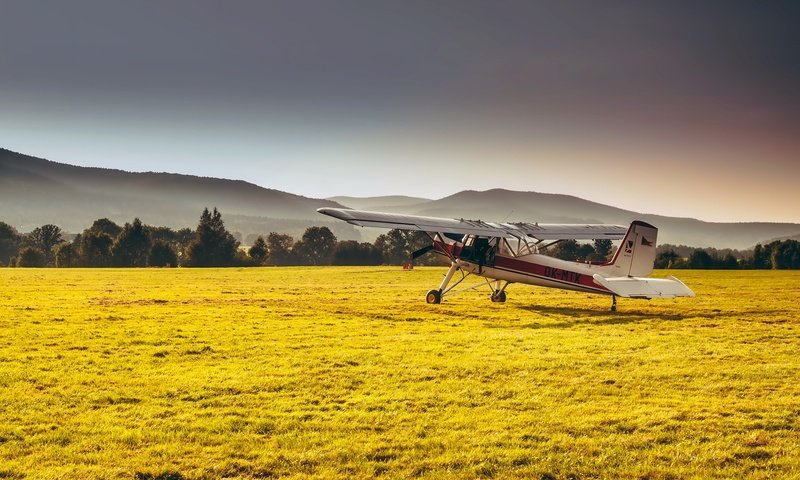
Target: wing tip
(334, 212)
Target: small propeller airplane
(506, 253)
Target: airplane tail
(637, 252)
(634, 259)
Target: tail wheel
(434, 296)
(499, 297)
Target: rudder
(637, 252)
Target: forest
(210, 244)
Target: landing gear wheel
(499, 297)
(434, 296)
(613, 303)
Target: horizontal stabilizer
(639, 287)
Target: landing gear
(434, 296)
(613, 303)
(445, 288)
(499, 296)
(499, 292)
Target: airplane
(506, 253)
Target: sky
(687, 109)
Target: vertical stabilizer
(637, 252)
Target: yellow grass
(347, 373)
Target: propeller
(422, 251)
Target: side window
(502, 247)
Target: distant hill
(35, 191)
(511, 206)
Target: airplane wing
(461, 226)
(640, 287)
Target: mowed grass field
(338, 372)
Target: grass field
(348, 373)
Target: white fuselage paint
(544, 271)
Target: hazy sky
(679, 108)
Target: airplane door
(484, 252)
(478, 250)
(467, 249)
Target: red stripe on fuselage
(532, 269)
(557, 274)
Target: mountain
(500, 205)
(35, 191)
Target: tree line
(107, 244)
(776, 255)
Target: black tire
(434, 296)
(499, 297)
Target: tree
(178, 240)
(9, 243)
(761, 257)
(729, 262)
(162, 234)
(31, 257)
(67, 256)
(785, 254)
(96, 248)
(316, 246)
(162, 255)
(666, 259)
(566, 250)
(183, 238)
(132, 246)
(393, 246)
(700, 259)
(602, 249)
(279, 249)
(351, 252)
(213, 245)
(104, 225)
(258, 252)
(585, 252)
(44, 238)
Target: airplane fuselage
(533, 269)
(541, 270)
